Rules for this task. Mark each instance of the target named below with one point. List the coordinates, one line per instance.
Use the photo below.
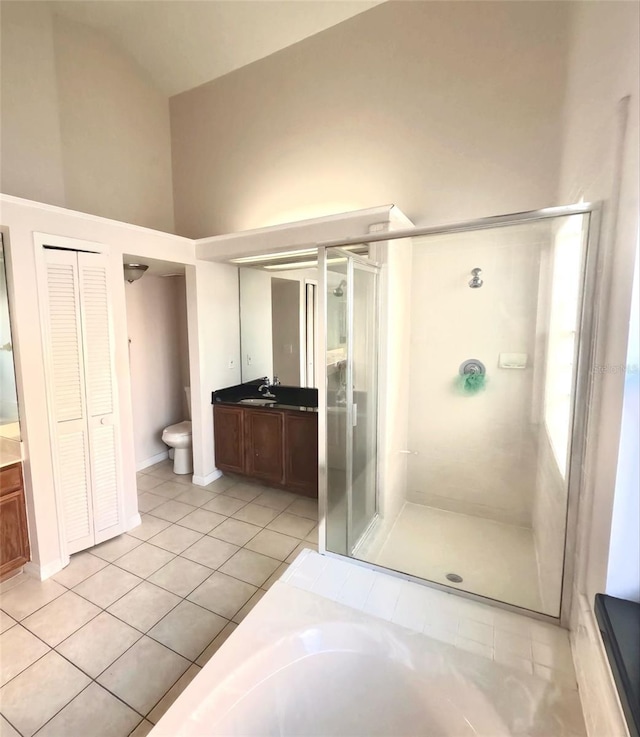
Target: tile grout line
(142, 633)
(95, 679)
(300, 541)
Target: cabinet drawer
(10, 478)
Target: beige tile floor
(104, 647)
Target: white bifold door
(79, 353)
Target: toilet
(178, 438)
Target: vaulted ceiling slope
(185, 43)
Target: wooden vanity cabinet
(228, 429)
(264, 445)
(278, 447)
(14, 533)
(301, 452)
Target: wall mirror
(9, 417)
(279, 316)
(278, 322)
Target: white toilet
(178, 437)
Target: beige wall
(82, 126)
(600, 162)
(450, 110)
(182, 346)
(213, 305)
(19, 221)
(156, 333)
(30, 144)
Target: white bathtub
(304, 665)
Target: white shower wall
(474, 454)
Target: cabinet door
(67, 398)
(264, 432)
(228, 437)
(101, 408)
(14, 534)
(301, 452)
(80, 368)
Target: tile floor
(494, 559)
(115, 637)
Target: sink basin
(258, 402)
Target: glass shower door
(363, 400)
(352, 386)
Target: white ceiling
(185, 43)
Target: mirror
(9, 418)
(278, 323)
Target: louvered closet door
(99, 372)
(71, 443)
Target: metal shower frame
(580, 408)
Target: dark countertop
(619, 622)
(271, 405)
(295, 398)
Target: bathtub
(303, 665)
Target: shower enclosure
(456, 363)
(352, 396)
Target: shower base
(494, 559)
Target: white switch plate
(232, 363)
(512, 360)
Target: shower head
(476, 282)
(339, 291)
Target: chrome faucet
(265, 385)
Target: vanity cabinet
(301, 452)
(264, 445)
(275, 446)
(14, 533)
(228, 428)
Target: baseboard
(134, 521)
(152, 461)
(35, 570)
(206, 480)
(601, 706)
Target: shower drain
(454, 578)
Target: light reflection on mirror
(9, 417)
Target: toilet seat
(178, 438)
(180, 429)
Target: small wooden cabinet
(264, 445)
(14, 533)
(228, 429)
(301, 452)
(276, 446)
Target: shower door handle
(354, 415)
